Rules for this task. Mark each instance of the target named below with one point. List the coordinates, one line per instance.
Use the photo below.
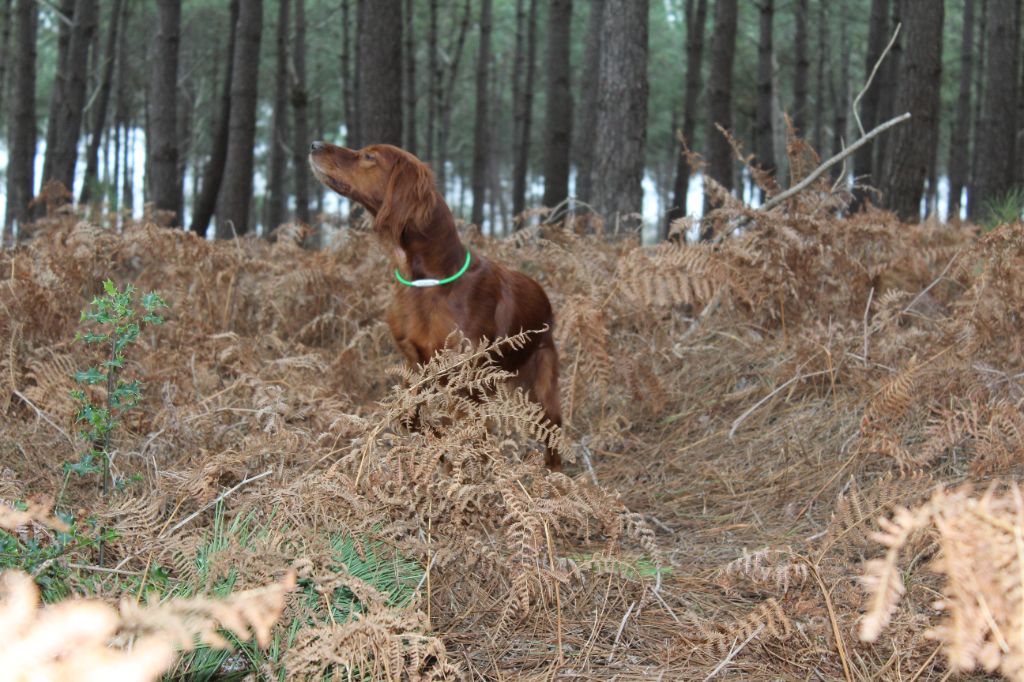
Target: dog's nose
(316, 146)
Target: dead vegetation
(742, 414)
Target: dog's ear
(409, 199)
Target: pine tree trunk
(449, 93)
(163, 160)
(59, 162)
(995, 171)
(803, 69)
(121, 112)
(723, 53)
(913, 147)
(409, 81)
(526, 67)
(877, 40)
(888, 89)
(99, 123)
(380, 73)
(842, 93)
(481, 133)
(558, 121)
(5, 48)
(348, 80)
(586, 128)
(22, 144)
(214, 173)
(433, 84)
(235, 197)
(979, 95)
(300, 108)
(765, 133)
(621, 102)
(276, 197)
(1018, 159)
(959, 140)
(820, 84)
(695, 21)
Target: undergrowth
(741, 413)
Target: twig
(710, 308)
(733, 653)
(934, 282)
(867, 309)
(622, 626)
(820, 170)
(220, 497)
(587, 461)
(762, 401)
(881, 58)
(836, 632)
(100, 569)
(43, 416)
(558, 595)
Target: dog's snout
(316, 146)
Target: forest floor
(741, 414)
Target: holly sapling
(111, 320)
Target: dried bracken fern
(89, 640)
(982, 560)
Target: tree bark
(524, 80)
(433, 84)
(765, 133)
(235, 196)
(723, 53)
(558, 120)
(449, 93)
(913, 147)
(888, 87)
(214, 173)
(995, 170)
(695, 21)
(621, 103)
(842, 93)
(163, 161)
(877, 40)
(276, 197)
(803, 69)
(960, 139)
(59, 162)
(380, 73)
(820, 84)
(481, 133)
(586, 128)
(347, 74)
(409, 89)
(300, 109)
(22, 145)
(99, 122)
(5, 48)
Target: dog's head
(394, 186)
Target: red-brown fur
(417, 229)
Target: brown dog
(442, 286)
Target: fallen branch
(220, 497)
(820, 170)
(740, 419)
(42, 415)
(871, 77)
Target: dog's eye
(369, 157)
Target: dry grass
(750, 409)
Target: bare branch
(817, 172)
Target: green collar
(433, 282)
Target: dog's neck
(434, 251)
